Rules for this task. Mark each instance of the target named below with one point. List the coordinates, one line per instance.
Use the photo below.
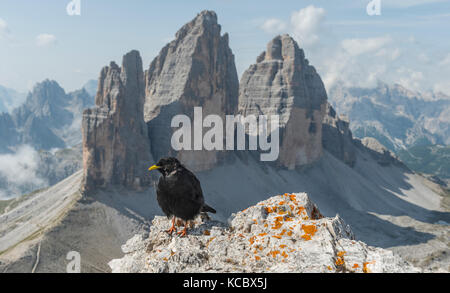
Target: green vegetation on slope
(434, 159)
(12, 203)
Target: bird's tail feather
(207, 208)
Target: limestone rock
(283, 83)
(116, 147)
(379, 152)
(285, 233)
(195, 69)
(337, 137)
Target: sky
(407, 43)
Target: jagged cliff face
(337, 137)
(116, 147)
(195, 69)
(283, 83)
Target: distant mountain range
(31, 134)
(49, 118)
(10, 99)
(397, 117)
(414, 125)
(433, 159)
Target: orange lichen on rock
(309, 230)
(210, 240)
(262, 234)
(282, 246)
(274, 253)
(206, 232)
(252, 239)
(284, 254)
(365, 268)
(268, 210)
(281, 203)
(289, 233)
(306, 237)
(329, 268)
(340, 261)
(341, 253)
(355, 266)
(257, 257)
(276, 236)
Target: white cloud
(44, 40)
(19, 170)
(4, 29)
(274, 26)
(307, 23)
(409, 78)
(362, 46)
(389, 53)
(445, 61)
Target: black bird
(179, 193)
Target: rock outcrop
(196, 69)
(337, 137)
(285, 233)
(379, 152)
(283, 83)
(116, 147)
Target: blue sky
(408, 43)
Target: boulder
(283, 234)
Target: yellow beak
(154, 167)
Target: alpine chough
(179, 193)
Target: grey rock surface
(116, 147)
(337, 137)
(196, 69)
(283, 83)
(282, 234)
(378, 151)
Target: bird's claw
(183, 233)
(171, 230)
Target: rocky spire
(196, 69)
(283, 83)
(116, 147)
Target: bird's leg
(183, 233)
(170, 231)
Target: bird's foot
(172, 229)
(184, 232)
